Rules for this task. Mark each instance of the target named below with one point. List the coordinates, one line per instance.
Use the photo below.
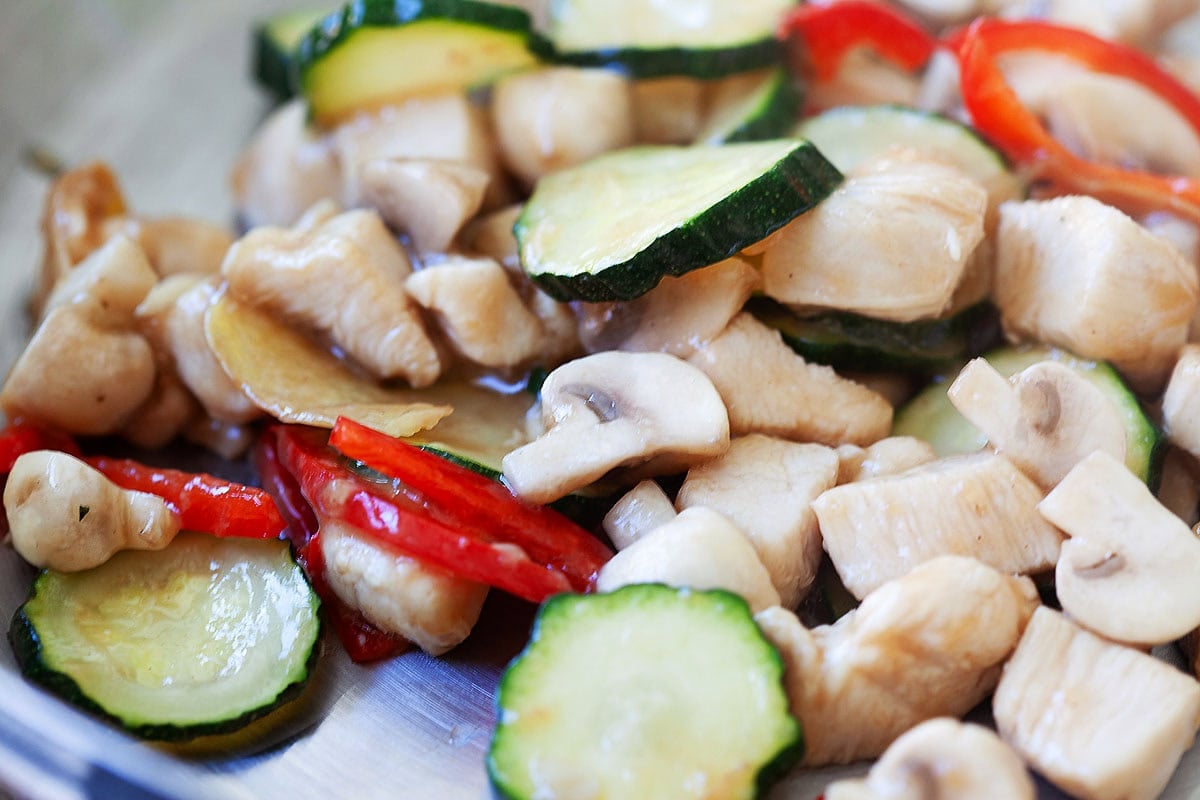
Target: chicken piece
(642, 509)
(927, 645)
(344, 278)
(165, 414)
(765, 487)
(284, 170)
(667, 110)
(1045, 419)
(443, 127)
(1131, 21)
(479, 310)
(1181, 401)
(228, 441)
(942, 759)
(492, 235)
(676, 316)
(428, 199)
(698, 549)
(769, 389)
(67, 516)
(889, 456)
(86, 370)
(1102, 721)
(556, 117)
(891, 242)
(178, 245)
(978, 505)
(1132, 293)
(1179, 485)
(863, 79)
(940, 91)
(398, 594)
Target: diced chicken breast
(1132, 21)
(863, 79)
(344, 278)
(889, 456)
(1131, 293)
(642, 509)
(978, 505)
(165, 414)
(178, 245)
(927, 645)
(398, 594)
(891, 242)
(1181, 401)
(1102, 721)
(766, 487)
(429, 199)
(667, 110)
(1179, 485)
(769, 389)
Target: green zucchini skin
(706, 64)
(31, 656)
(274, 47)
(794, 184)
(774, 116)
(850, 341)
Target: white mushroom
(1102, 721)
(942, 759)
(1181, 401)
(927, 645)
(642, 509)
(344, 278)
(67, 516)
(1044, 419)
(699, 549)
(614, 410)
(1128, 570)
(889, 456)
(766, 487)
(428, 199)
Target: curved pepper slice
(20, 437)
(829, 32)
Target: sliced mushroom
(1133, 294)
(1044, 419)
(1179, 485)
(699, 549)
(1102, 721)
(642, 509)
(889, 456)
(1128, 570)
(978, 505)
(429, 199)
(927, 645)
(942, 759)
(769, 389)
(66, 516)
(766, 487)
(612, 410)
(668, 110)
(1181, 401)
(345, 279)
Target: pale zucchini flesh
(761, 105)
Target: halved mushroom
(942, 759)
(927, 645)
(889, 456)
(977, 505)
(1102, 721)
(642, 509)
(614, 410)
(1128, 572)
(698, 549)
(766, 487)
(429, 199)
(1044, 419)
(1181, 401)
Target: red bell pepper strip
(203, 502)
(299, 517)
(829, 32)
(1003, 119)
(20, 437)
(545, 535)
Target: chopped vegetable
(275, 43)
(20, 437)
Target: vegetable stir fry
(823, 370)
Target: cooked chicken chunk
(398, 594)
(1179, 485)
(699, 549)
(942, 759)
(889, 456)
(1181, 402)
(892, 242)
(978, 505)
(1133, 21)
(178, 245)
(1102, 721)
(479, 310)
(862, 79)
(769, 389)
(344, 278)
(667, 110)
(429, 199)
(926, 645)
(642, 509)
(766, 487)
(1132, 293)
(165, 414)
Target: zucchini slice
(275, 44)
(612, 228)
(375, 52)
(651, 38)
(850, 341)
(200, 638)
(748, 108)
(648, 692)
(931, 416)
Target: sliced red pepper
(203, 502)
(299, 517)
(829, 32)
(20, 437)
(545, 535)
(999, 114)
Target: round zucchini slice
(200, 638)
(646, 692)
